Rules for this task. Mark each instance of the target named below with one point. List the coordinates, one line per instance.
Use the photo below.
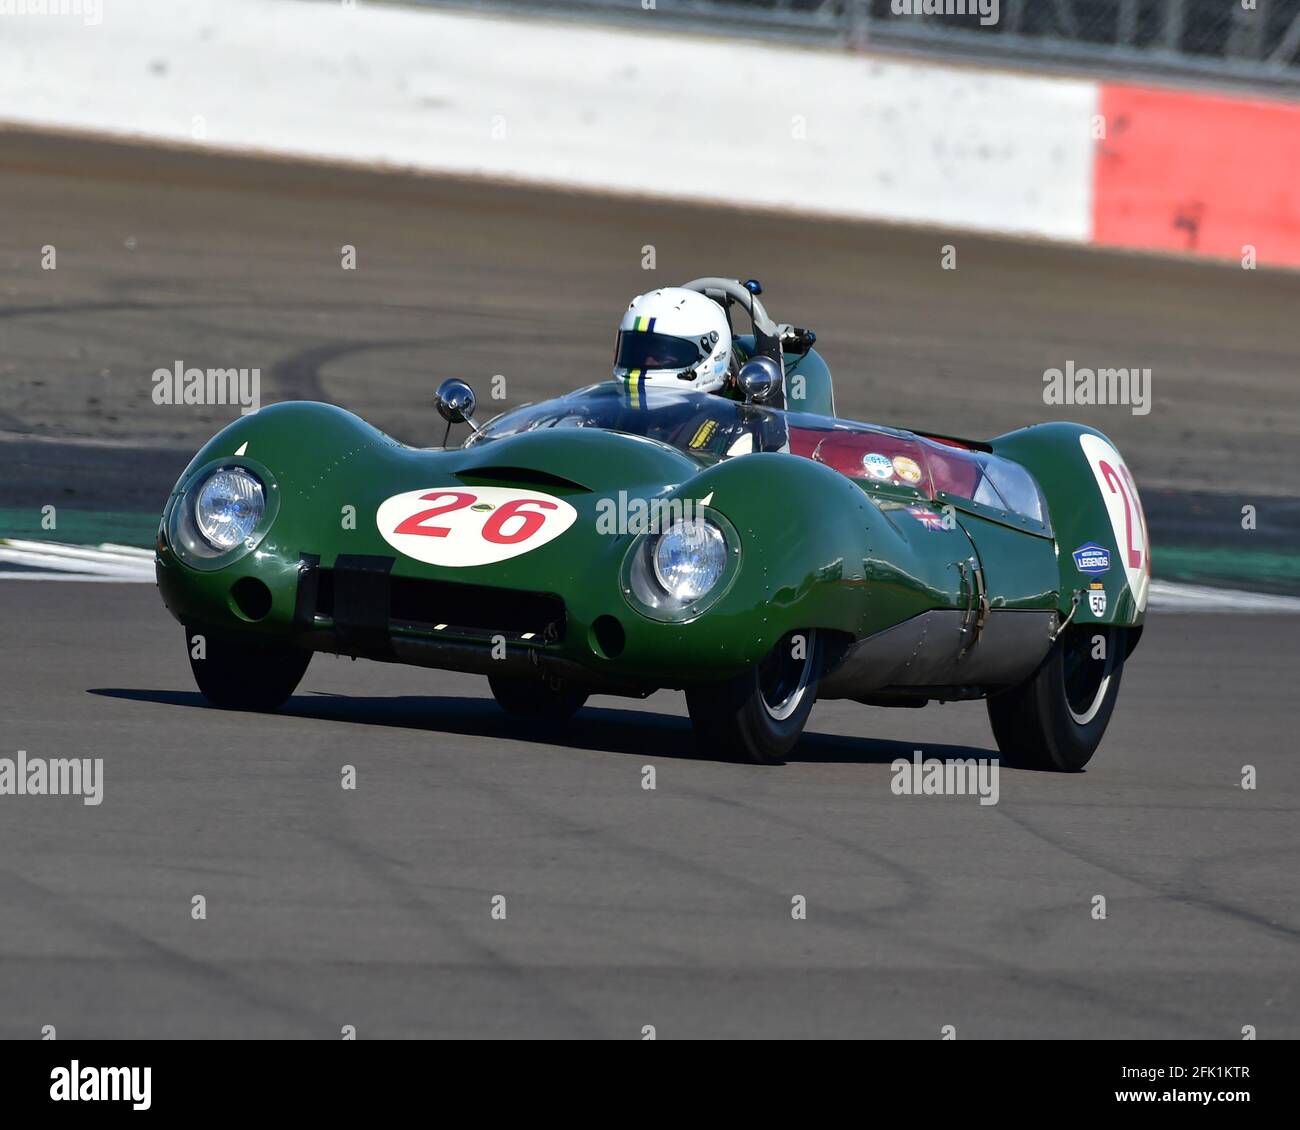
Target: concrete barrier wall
(1198, 173)
(618, 109)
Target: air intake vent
(448, 607)
(517, 476)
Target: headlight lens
(229, 507)
(689, 559)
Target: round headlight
(228, 507)
(689, 559)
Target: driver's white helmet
(674, 338)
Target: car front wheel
(242, 674)
(761, 714)
(1055, 719)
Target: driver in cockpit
(675, 340)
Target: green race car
(755, 552)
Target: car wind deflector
(517, 476)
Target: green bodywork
(814, 549)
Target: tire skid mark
(551, 823)
(914, 879)
(1154, 886)
(385, 871)
(300, 372)
(980, 956)
(206, 973)
(858, 921)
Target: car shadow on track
(602, 729)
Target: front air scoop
(587, 458)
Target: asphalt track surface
(628, 907)
(625, 907)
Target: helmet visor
(639, 350)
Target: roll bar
(727, 291)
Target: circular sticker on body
(464, 526)
(907, 469)
(878, 466)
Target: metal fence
(1240, 42)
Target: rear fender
(1103, 549)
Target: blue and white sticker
(878, 466)
(1092, 558)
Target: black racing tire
(546, 700)
(244, 674)
(1056, 718)
(760, 715)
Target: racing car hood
(539, 510)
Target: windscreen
(713, 427)
(696, 423)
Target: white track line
(132, 579)
(128, 550)
(106, 552)
(50, 560)
(54, 563)
(1166, 596)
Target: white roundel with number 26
(462, 526)
(1124, 507)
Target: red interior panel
(944, 466)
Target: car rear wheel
(761, 714)
(242, 674)
(1055, 720)
(551, 700)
